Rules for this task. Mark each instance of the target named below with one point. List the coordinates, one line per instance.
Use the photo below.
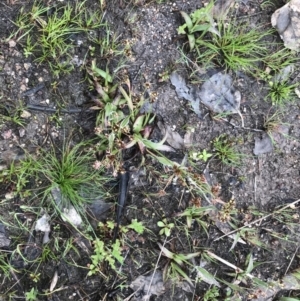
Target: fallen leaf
(219, 95)
(53, 282)
(188, 138)
(189, 93)
(207, 277)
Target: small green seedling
(136, 226)
(105, 253)
(244, 275)
(35, 277)
(70, 171)
(166, 227)
(97, 72)
(212, 294)
(106, 44)
(204, 155)
(5, 267)
(200, 21)
(110, 252)
(109, 226)
(250, 235)
(272, 121)
(31, 295)
(120, 124)
(277, 61)
(194, 180)
(164, 76)
(12, 112)
(234, 46)
(273, 124)
(237, 47)
(196, 214)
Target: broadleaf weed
(212, 294)
(31, 295)
(165, 226)
(103, 252)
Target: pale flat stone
(287, 22)
(70, 215)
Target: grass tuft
(236, 47)
(48, 33)
(70, 170)
(229, 45)
(225, 151)
(281, 92)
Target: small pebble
(25, 114)
(21, 132)
(12, 43)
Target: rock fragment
(42, 224)
(146, 286)
(287, 22)
(72, 216)
(4, 240)
(263, 145)
(12, 43)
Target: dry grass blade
(259, 219)
(237, 269)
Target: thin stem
(258, 220)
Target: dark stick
(123, 188)
(32, 91)
(52, 110)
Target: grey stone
(4, 241)
(263, 145)
(287, 22)
(146, 286)
(42, 224)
